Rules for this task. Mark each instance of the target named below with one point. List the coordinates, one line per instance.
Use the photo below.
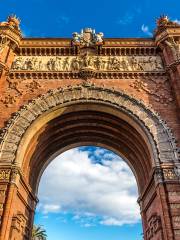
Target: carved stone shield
(87, 37)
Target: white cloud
(63, 20)
(176, 21)
(126, 19)
(104, 192)
(129, 16)
(146, 30)
(50, 208)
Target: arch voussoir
(17, 125)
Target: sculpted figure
(91, 61)
(40, 67)
(51, 64)
(158, 64)
(66, 64)
(174, 46)
(12, 22)
(35, 63)
(75, 64)
(59, 63)
(115, 63)
(98, 63)
(104, 64)
(125, 64)
(85, 60)
(88, 61)
(28, 64)
(136, 66)
(99, 37)
(17, 64)
(76, 37)
(87, 37)
(3, 43)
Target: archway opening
(75, 124)
(89, 193)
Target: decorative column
(160, 205)
(17, 205)
(167, 37)
(10, 37)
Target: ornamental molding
(47, 42)
(159, 134)
(158, 88)
(16, 89)
(76, 75)
(154, 227)
(87, 60)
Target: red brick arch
(50, 117)
(83, 115)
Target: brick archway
(82, 115)
(50, 117)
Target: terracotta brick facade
(122, 94)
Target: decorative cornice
(77, 75)
(108, 42)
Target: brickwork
(122, 94)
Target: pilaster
(10, 37)
(167, 37)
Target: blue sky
(100, 200)
(116, 18)
(89, 193)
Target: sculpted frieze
(98, 63)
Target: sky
(115, 18)
(89, 193)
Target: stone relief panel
(158, 88)
(98, 63)
(16, 89)
(154, 230)
(19, 227)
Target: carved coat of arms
(87, 37)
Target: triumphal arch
(121, 94)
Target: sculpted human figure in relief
(100, 63)
(174, 46)
(3, 43)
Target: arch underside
(86, 125)
(86, 114)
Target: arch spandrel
(164, 147)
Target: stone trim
(76, 75)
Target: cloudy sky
(89, 189)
